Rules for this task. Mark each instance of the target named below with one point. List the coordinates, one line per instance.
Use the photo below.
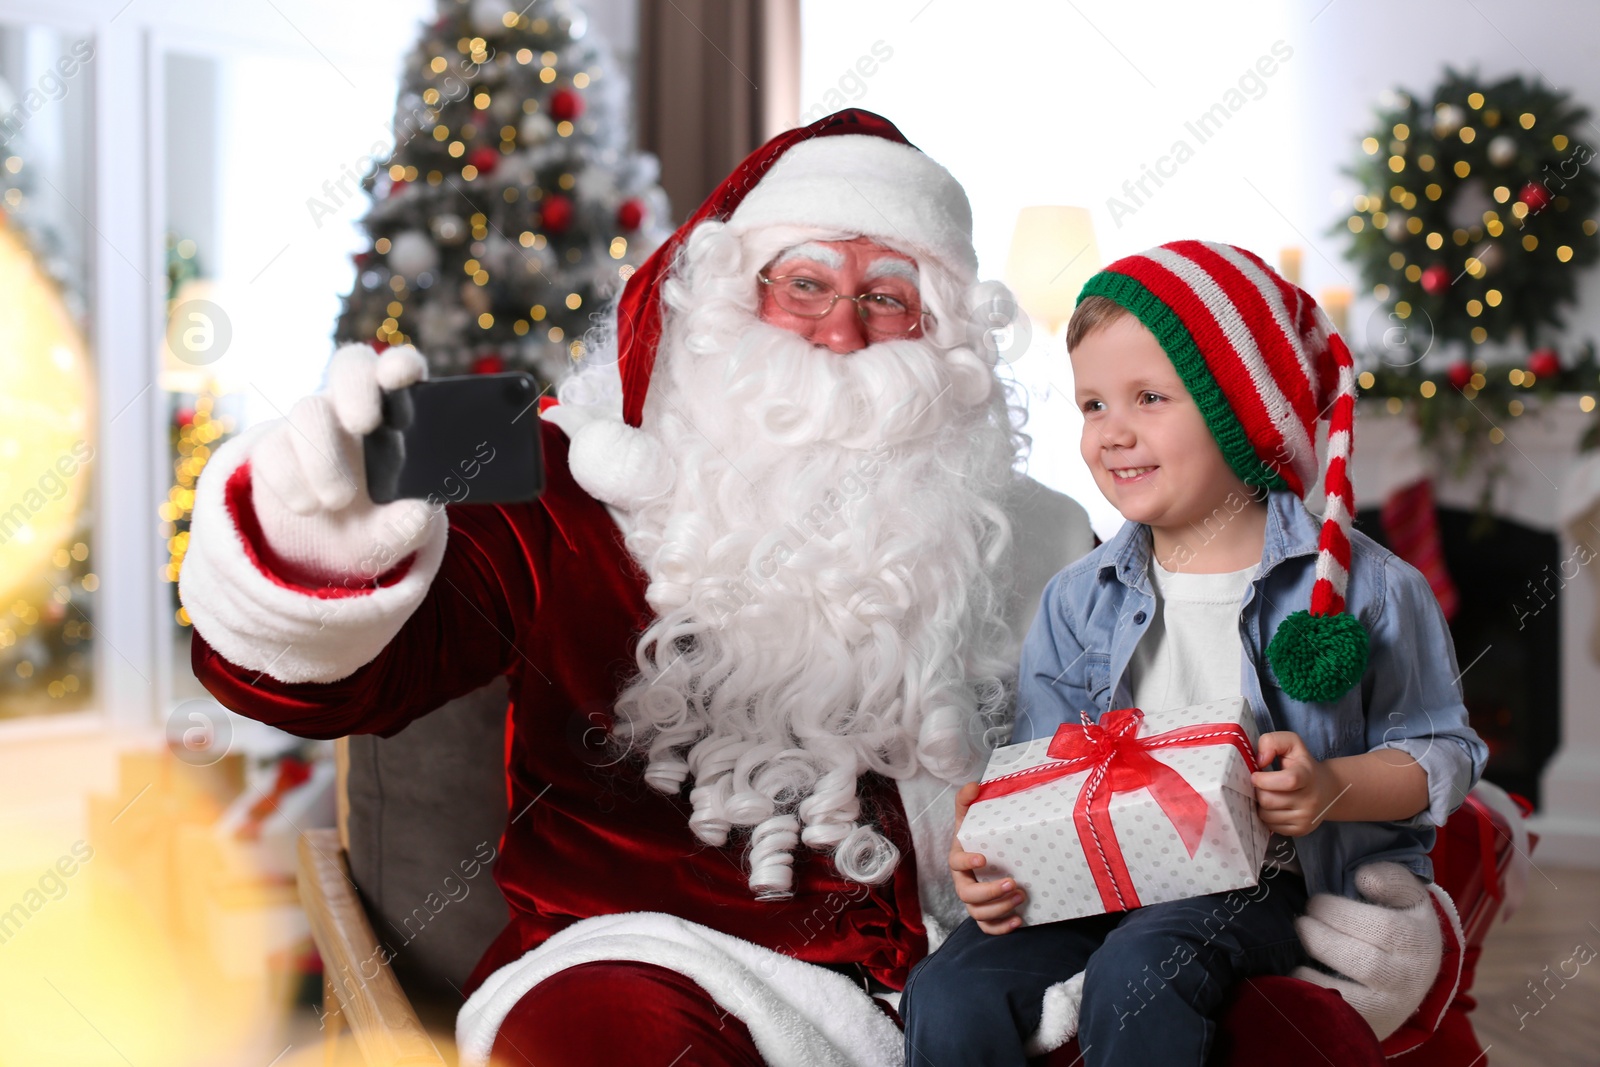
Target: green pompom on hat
(1318, 657)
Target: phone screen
(472, 439)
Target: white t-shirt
(1192, 652)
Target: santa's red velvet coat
(546, 594)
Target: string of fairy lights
(195, 433)
(195, 430)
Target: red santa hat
(851, 173)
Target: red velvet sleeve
(466, 631)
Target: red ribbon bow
(1119, 761)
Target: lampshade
(1053, 253)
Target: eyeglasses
(884, 314)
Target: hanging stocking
(1411, 523)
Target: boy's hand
(1292, 801)
(991, 904)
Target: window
(48, 443)
(262, 196)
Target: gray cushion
(426, 807)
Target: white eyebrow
(893, 268)
(816, 252)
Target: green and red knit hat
(1263, 364)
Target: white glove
(310, 478)
(1388, 952)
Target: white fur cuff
(260, 622)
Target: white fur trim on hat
(869, 186)
(616, 463)
(262, 624)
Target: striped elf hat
(1263, 365)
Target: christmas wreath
(1476, 210)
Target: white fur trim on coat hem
(263, 625)
(1059, 1022)
(799, 1014)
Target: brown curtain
(716, 79)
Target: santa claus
(760, 625)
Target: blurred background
(198, 200)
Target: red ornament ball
(490, 364)
(379, 346)
(1459, 373)
(396, 188)
(1544, 363)
(556, 213)
(1436, 279)
(630, 213)
(185, 417)
(1535, 195)
(565, 105)
(486, 159)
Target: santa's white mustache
(795, 393)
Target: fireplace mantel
(1540, 458)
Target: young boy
(1201, 375)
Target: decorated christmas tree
(512, 207)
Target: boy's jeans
(1156, 978)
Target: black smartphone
(472, 439)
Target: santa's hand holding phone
(310, 481)
(287, 543)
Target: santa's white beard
(826, 573)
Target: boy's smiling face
(1144, 438)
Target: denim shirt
(1094, 613)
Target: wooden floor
(1546, 943)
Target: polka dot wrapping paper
(1032, 835)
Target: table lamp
(1053, 252)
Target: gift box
(1137, 808)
